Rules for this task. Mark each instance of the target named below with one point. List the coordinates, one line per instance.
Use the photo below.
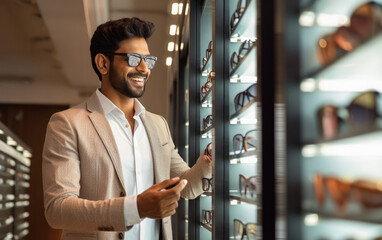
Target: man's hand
(159, 202)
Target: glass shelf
(243, 79)
(368, 216)
(207, 227)
(364, 143)
(245, 157)
(206, 131)
(358, 70)
(206, 101)
(208, 66)
(246, 112)
(236, 199)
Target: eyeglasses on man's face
(134, 59)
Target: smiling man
(110, 166)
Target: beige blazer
(82, 174)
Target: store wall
(29, 123)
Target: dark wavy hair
(107, 36)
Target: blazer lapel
(104, 131)
(155, 144)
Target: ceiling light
(181, 45)
(173, 29)
(174, 8)
(177, 30)
(186, 10)
(168, 61)
(170, 46)
(180, 8)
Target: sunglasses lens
(237, 144)
(150, 62)
(242, 185)
(251, 231)
(234, 60)
(238, 229)
(239, 100)
(363, 109)
(250, 141)
(134, 60)
(252, 185)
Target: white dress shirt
(137, 166)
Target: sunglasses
(247, 183)
(243, 50)
(240, 230)
(204, 90)
(207, 217)
(244, 143)
(208, 150)
(367, 193)
(207, 122)
(362, 111)
(243, 98)
(206, 184)
(208, 52)
(240, 9)
(135, 59)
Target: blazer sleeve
(193, 175)
(61, 173)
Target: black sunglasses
(362, 111)
(240, 9)
(240, 230)
(246, 142)
(207, 216)
(208, 150)
(207, 122)
(206, 184)
(243, 50)
(247, 183)
(208, 52)
(134, 59)
(243, 98)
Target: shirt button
(127, 125)
(120, 235)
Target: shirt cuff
(131, 211)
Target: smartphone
(173, 185)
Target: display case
(224, 119)
(14, 185)
(335, 78)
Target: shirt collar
(108, 106)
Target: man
(108, 164)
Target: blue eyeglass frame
(140, 56)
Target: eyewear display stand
(14, 185)
(221, 94)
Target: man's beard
(124, 87)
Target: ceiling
(44, 47)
